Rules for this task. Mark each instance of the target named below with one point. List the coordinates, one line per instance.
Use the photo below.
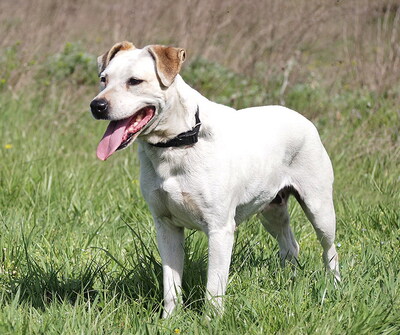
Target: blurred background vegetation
(334, 44)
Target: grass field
(77, 243)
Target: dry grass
(347, 42)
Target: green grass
(78, 252)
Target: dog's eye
(133, 81)
(103, 79)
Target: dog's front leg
(220, 244)
(170, 240)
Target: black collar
(187, 138)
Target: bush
(9, 63)
(71, 65)
(224, 86)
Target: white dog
(206, 166)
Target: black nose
(99, 108)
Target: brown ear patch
(168, 62)
(105, 59)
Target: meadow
(77, 243)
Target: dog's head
(133, 88)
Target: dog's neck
(186, 138)
(178, 116)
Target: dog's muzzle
(99, 108)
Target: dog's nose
(99, 107)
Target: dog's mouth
(121, 133)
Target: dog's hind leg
(275, 219)
(316, 199)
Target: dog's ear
(104, 60)
(168, 62)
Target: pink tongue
(112, 138)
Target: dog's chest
(182, 207)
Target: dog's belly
(245, 211)
(189, 209)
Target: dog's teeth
(136, 123)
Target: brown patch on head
(105, 59)
(168, 62)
